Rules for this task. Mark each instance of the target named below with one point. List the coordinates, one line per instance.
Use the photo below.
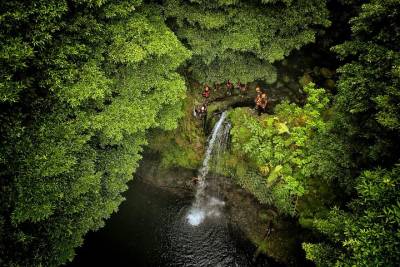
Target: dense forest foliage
(83, 81)
(239, 40)
(337, 165)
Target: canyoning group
(261, 99)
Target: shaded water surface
(155, 227)
(151, 229)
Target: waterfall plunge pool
(151, 229)
(159, 227)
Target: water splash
(207, 206)
(196, 216)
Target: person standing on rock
(229, 87)
(261, 101)
(258, 90)
(257, 99)
(242, 89)
(264, 102)
(206, 92)
(217, 86)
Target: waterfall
(204, 205)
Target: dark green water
(151, 229)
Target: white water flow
(207, 206)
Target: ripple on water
(210, 243)
(196, 216)
(208, 208)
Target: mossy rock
(327, 73)
(305, 79)
(286, 78)
(316, 71)
(184, 146)
(267, 215)
(306, 222)
(329, 84)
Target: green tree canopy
(368, 89)
(280, 147)
(368, 235)
(366, 119)
(239, 40)
(81, 82)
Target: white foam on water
(213, 201)
(210, 209)
(195, 216)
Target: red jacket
(206, 94)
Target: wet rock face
(151, 172)
(277, 237)
(329, 84)
(327, 73)
(305, 79)
(241, 208)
